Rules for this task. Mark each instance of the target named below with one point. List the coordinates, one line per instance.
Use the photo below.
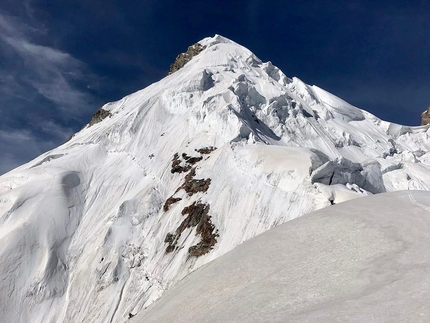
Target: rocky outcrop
(184, 58)
(171, 200)
(206, 150)
(192, 186)
(197, 216)
(425, 117)
(99, 116)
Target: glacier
(171, 177)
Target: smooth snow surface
(365, 260)
(84, 235)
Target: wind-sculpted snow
(361, 261)
(84, 227)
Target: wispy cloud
(46, 69)
(43, 91)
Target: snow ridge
(354, 262)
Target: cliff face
(425, 117)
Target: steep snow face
(177, 174)
(360, 261)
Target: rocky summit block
(184, 58)
(425, 117)
(99, 116)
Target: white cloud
(40, 53)
(44, 68)
(39, 99)
(16, 136)
(54, 129)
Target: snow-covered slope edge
(360, 261)
(94, 230)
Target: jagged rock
(184, 58)
(191, 160)
(425, 117)
(197, 216)
(208, 235)
(99, 116)
(192, 186)
(206, 150)
(170, 238)
(171, 200)
(176, 165)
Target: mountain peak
(175, 175)
(184, 58)
(216, 39)
(196, 49)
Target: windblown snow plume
(179, 173)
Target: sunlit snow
(83, 228)
(354, 262)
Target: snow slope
(94, 230)
(361, 261)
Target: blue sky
(61, 60)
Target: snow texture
(83, 228)
(353, 262)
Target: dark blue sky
(61, 60)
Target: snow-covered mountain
(175, 175)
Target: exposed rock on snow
(192, 185)
(184, 58)
(425, 117)
(84, 227)
(99, 116)
(171, 200)
(206, 150)
(198, 217)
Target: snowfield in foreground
(365, 260)
(174, 176)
